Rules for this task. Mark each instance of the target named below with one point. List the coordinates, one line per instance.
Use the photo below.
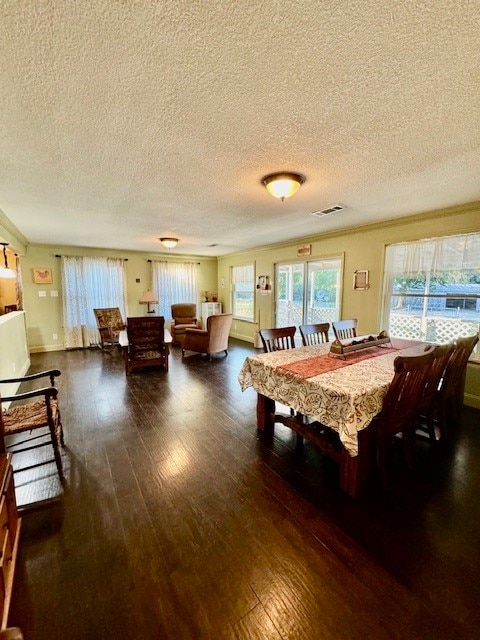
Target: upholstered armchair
(109, 324)
(210, 340)
(184, 316)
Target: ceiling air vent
(325, 212)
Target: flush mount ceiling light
(169, 242)
(283, 184)
(6, 272)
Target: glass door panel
(307, 292)
(289, 294)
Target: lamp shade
(169, 242)
(283, 184)
(148, 298)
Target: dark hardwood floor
(177, 522)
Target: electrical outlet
(55, 336)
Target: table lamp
(148, 299)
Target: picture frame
(304, 250)
(42, 275)
(360, 279)
(263, 283)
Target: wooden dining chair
(345, 329)
(313, 334)
(449, 396)
(400, 407)
(441, 355)
(278, 339)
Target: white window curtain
(174, 282)
(90, 283)
(432, 288)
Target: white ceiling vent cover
(325, 212)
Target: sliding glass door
(307, 292)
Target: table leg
(355, 471)
(265, 412)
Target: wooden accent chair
(278, 339)
(41, 411)
(345, 329)
(146, 343)
(449, 397)
(184, 316)
(401, 406)
(109, 324)
(313, 334)
(212, 339)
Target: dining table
(333, 399)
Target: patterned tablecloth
(342, 394)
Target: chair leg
(56, 452)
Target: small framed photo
(360, 279)
(42, 276)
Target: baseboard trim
(47, 347)
(471, 401)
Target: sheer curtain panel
(90, 283)
(174, 282)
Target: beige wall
(44, 314)
(363, 248)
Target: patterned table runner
(311, 367)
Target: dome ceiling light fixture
(283, 184)
(169, 242)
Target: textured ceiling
(123, 121)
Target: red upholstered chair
(212, 339)
(184, 316)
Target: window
(432, 289)
(89, 283)
(174, 282)
(243, 289)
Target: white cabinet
(210, 309)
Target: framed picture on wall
(42, 276)
(360, 279)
